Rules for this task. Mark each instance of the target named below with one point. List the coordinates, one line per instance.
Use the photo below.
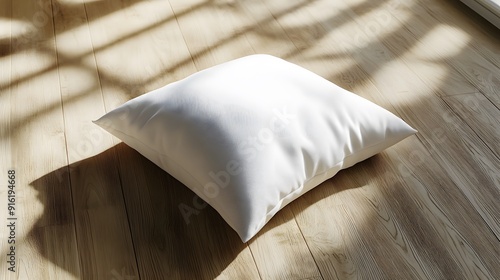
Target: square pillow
(251, 135)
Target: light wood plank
(397, 243)
(212, 34)
(478, 63)
(280, 251)
(5, 119)
(46, 243)
(5, 93)
(435, 196)
(165, 59)
(435, 66)
(464, 157)
(264, 32)
(338, 247)
(486, 36)
(97, 196)
(481, 116)
(381, 208)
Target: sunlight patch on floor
(448, 48)
(18, 28)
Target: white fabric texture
(251, 135)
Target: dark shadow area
(346, 179)
(165, 246)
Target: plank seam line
(126, 211)
(70, 185)
(492, 152)
(114, 148)
(253, 257)
(307, 244)
(182, 33)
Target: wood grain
(100, 215)
(5, 115)
(38, 147)
(281, 252)
(481, 57)
(338, 247)
(422, 108)
(481, 116)
(93, 208)
(211, 33)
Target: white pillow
(251, 135)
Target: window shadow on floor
(151, 218)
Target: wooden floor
(90, 207)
